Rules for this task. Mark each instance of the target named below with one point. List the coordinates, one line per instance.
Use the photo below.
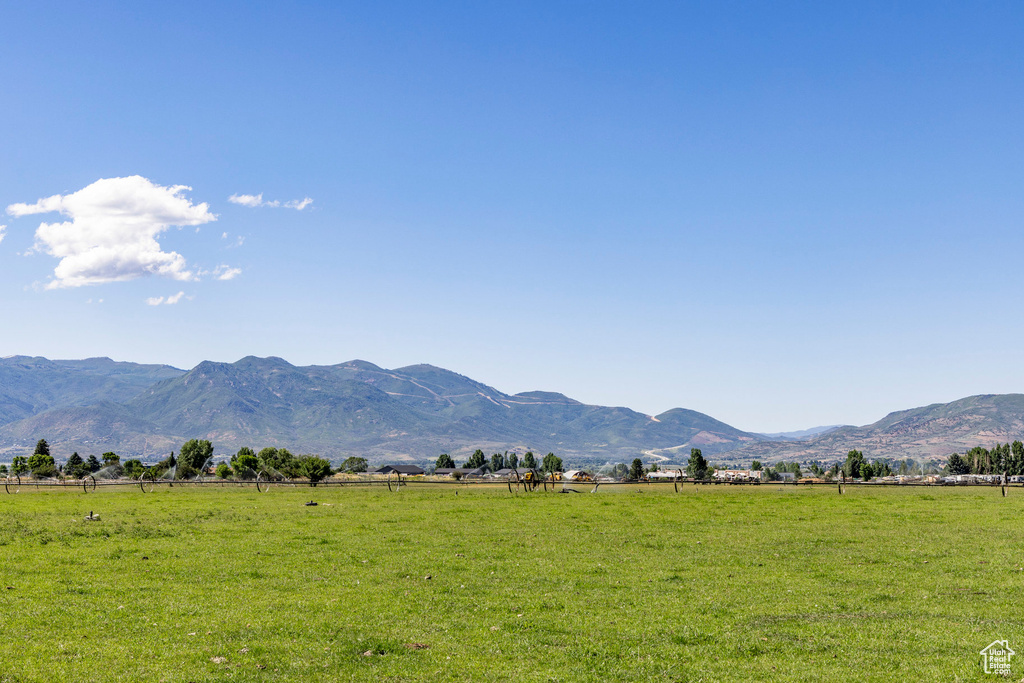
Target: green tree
(497, 462)
(193, 457)
(957, 465)
(42, 448)
(636, 469)
(133, 468)
(164, 465)
(756, 465)
(512, 461)
(354, 464)
(444, 462)
(19, 465)
(111, 458)
(279, 460)
(854, 461)
(42, 465)
(244, 465)
(478, 459)
(619, 471)
(867, 471)
(223, 470)
(697, 466)
(529, 461)
(75, 466)
(980, 460)
(552, 463)
(314, 468)
(3, 469)
(1016, 464)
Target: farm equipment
(529, 480)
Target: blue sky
(782, 215)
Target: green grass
(729, 583)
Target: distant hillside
(31, 385)
(411, 413)
(933, 431)
(416, 412)
(799, 435)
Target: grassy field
(728, 583)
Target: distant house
(577, 475)
(406, 470)
(462, 472)
(737, 475)
(787, 476)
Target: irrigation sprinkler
(88, 483)
(677, 480)
(147, 482)
(513, 477)
(397, 476)
(14, 484)
(263, 481)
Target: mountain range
(414, 413)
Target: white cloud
(112, 234)
(239, 240)
(256, 200)
(3, 229)
(253, 200)
(226, 272)
(298, 204)
(167, 301)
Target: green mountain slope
(416, 412)
(31, 385)
(410, 413)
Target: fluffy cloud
(252, 200)
(226, 272)
(256, 200)
(168, 301)
(112, 232)
(3, 229)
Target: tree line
(195, 457)
(501, 461)
(1004, 458)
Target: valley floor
(629, 583)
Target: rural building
(462, 472)
(505, 472)
(741, 475)
(577, 475)
(407, 470)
